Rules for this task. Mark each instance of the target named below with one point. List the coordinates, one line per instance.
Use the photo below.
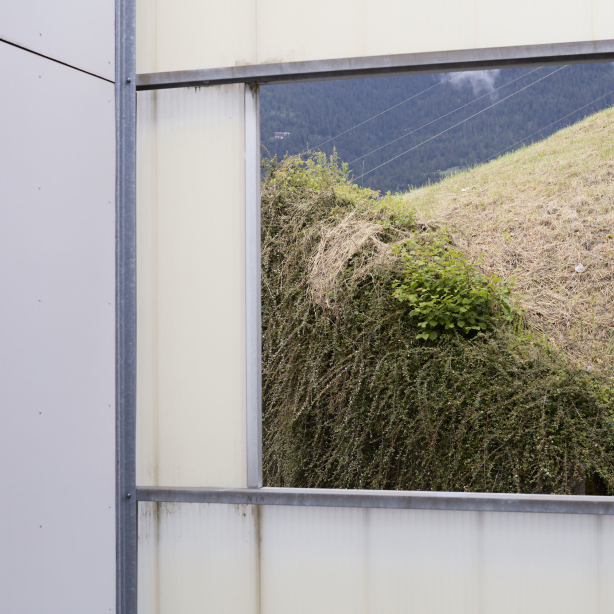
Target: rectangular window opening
(437, 258)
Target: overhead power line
(446, 115)
(461, 122)
(546, 127)
(384, 112)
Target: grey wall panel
(81, 34)
(57, 244)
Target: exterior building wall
(191, 353)
(81, 34)
(198, 334)
(57, 313)
(175, 35)
(196, 311)
(273, 559)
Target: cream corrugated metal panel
(190, 34)
(424, 558)
(313, 559)
(341, 29)
(147, 292)
(348, 560)
(603, 19)
(535, 563)
(376, 561)
(208, 32)
(57, 325)
(534, 22)
(148, 595)
(605, 546)
(205, 558)
(191, 292)
(81, 34)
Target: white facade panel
(191, 357)
(535, 563)
(57, 328)
(304, 559)
(414, 27)
(313, 559)
(424, 558)
(81, 34)
(291, 30)
(184, 34)
(206, 559)
(603, 18)
(531, 22)
(605, 554)
(210, 33)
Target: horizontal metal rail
(392, 499)
(347, 68)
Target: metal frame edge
(125, 306)
(253, 317)
(344, 68)
(477, 502)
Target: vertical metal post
(125, 301)
(252, 286)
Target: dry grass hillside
(544, 216)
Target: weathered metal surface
(198, 558)
(336, 560)
(474, 59)
(181, 35)
(125, 306)
(191, 287)
(253, 324)
(395, 499)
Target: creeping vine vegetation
(359, 393)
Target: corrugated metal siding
(428, 560)
(191, 287)
(313, 559)
(605, 557)
(535, 563)
(383, 561)
(188, 34)
(209, 33)
(148, 576)
(207, 559)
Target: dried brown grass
(534, 216)
(337, 245)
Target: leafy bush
(447, 293)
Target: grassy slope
(535, 215)
(351, 399)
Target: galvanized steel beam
(253, 327)
(478, 502)
(403, 64)
(125, 305)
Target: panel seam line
(42, 55)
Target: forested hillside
(315, 112)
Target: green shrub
(447, 293)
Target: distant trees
(314, 112)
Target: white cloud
(482, 81)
